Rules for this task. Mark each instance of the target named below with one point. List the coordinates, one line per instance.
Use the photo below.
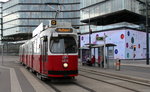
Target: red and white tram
(52, 52)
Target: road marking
(38, 87)
(15, 86)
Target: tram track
(90, 90)
(106, 75)
(55, 86)
(61, 86)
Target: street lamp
(90, 31)
(147, 34)
(105, 52)
(2, 52)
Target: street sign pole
(2, 54)
(147, 34)
(105, 53)
(105, 65)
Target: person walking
(93, 60)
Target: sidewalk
(5, 80)
(14, 78)
(11, 80)
(136, 69)
(138, 65)
(19, 79)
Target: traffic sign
(100, 38)
(53, 22)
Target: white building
(125, 40)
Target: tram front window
(63, 45)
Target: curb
(137, 65)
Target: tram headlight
(65, 65)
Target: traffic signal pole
(147, 34)
(2, 49)
(105, 58)
(146, 29)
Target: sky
(3, 0)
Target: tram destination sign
(64, 30)
(99, 38)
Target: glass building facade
(91, 9)
(21, 17)
(102, 7)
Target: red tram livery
(52, 52)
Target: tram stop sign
(53, 22)
(100, 38)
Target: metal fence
(9, 49)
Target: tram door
(44, 56)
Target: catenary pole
(147, 34)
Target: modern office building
(104, 12)
(119, 20)
(21, 17)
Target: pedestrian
(102, 62)
(93, 60)
(88, 61)
(99, 61)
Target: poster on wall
(135, 44)
(131, 44)
(116, 37)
